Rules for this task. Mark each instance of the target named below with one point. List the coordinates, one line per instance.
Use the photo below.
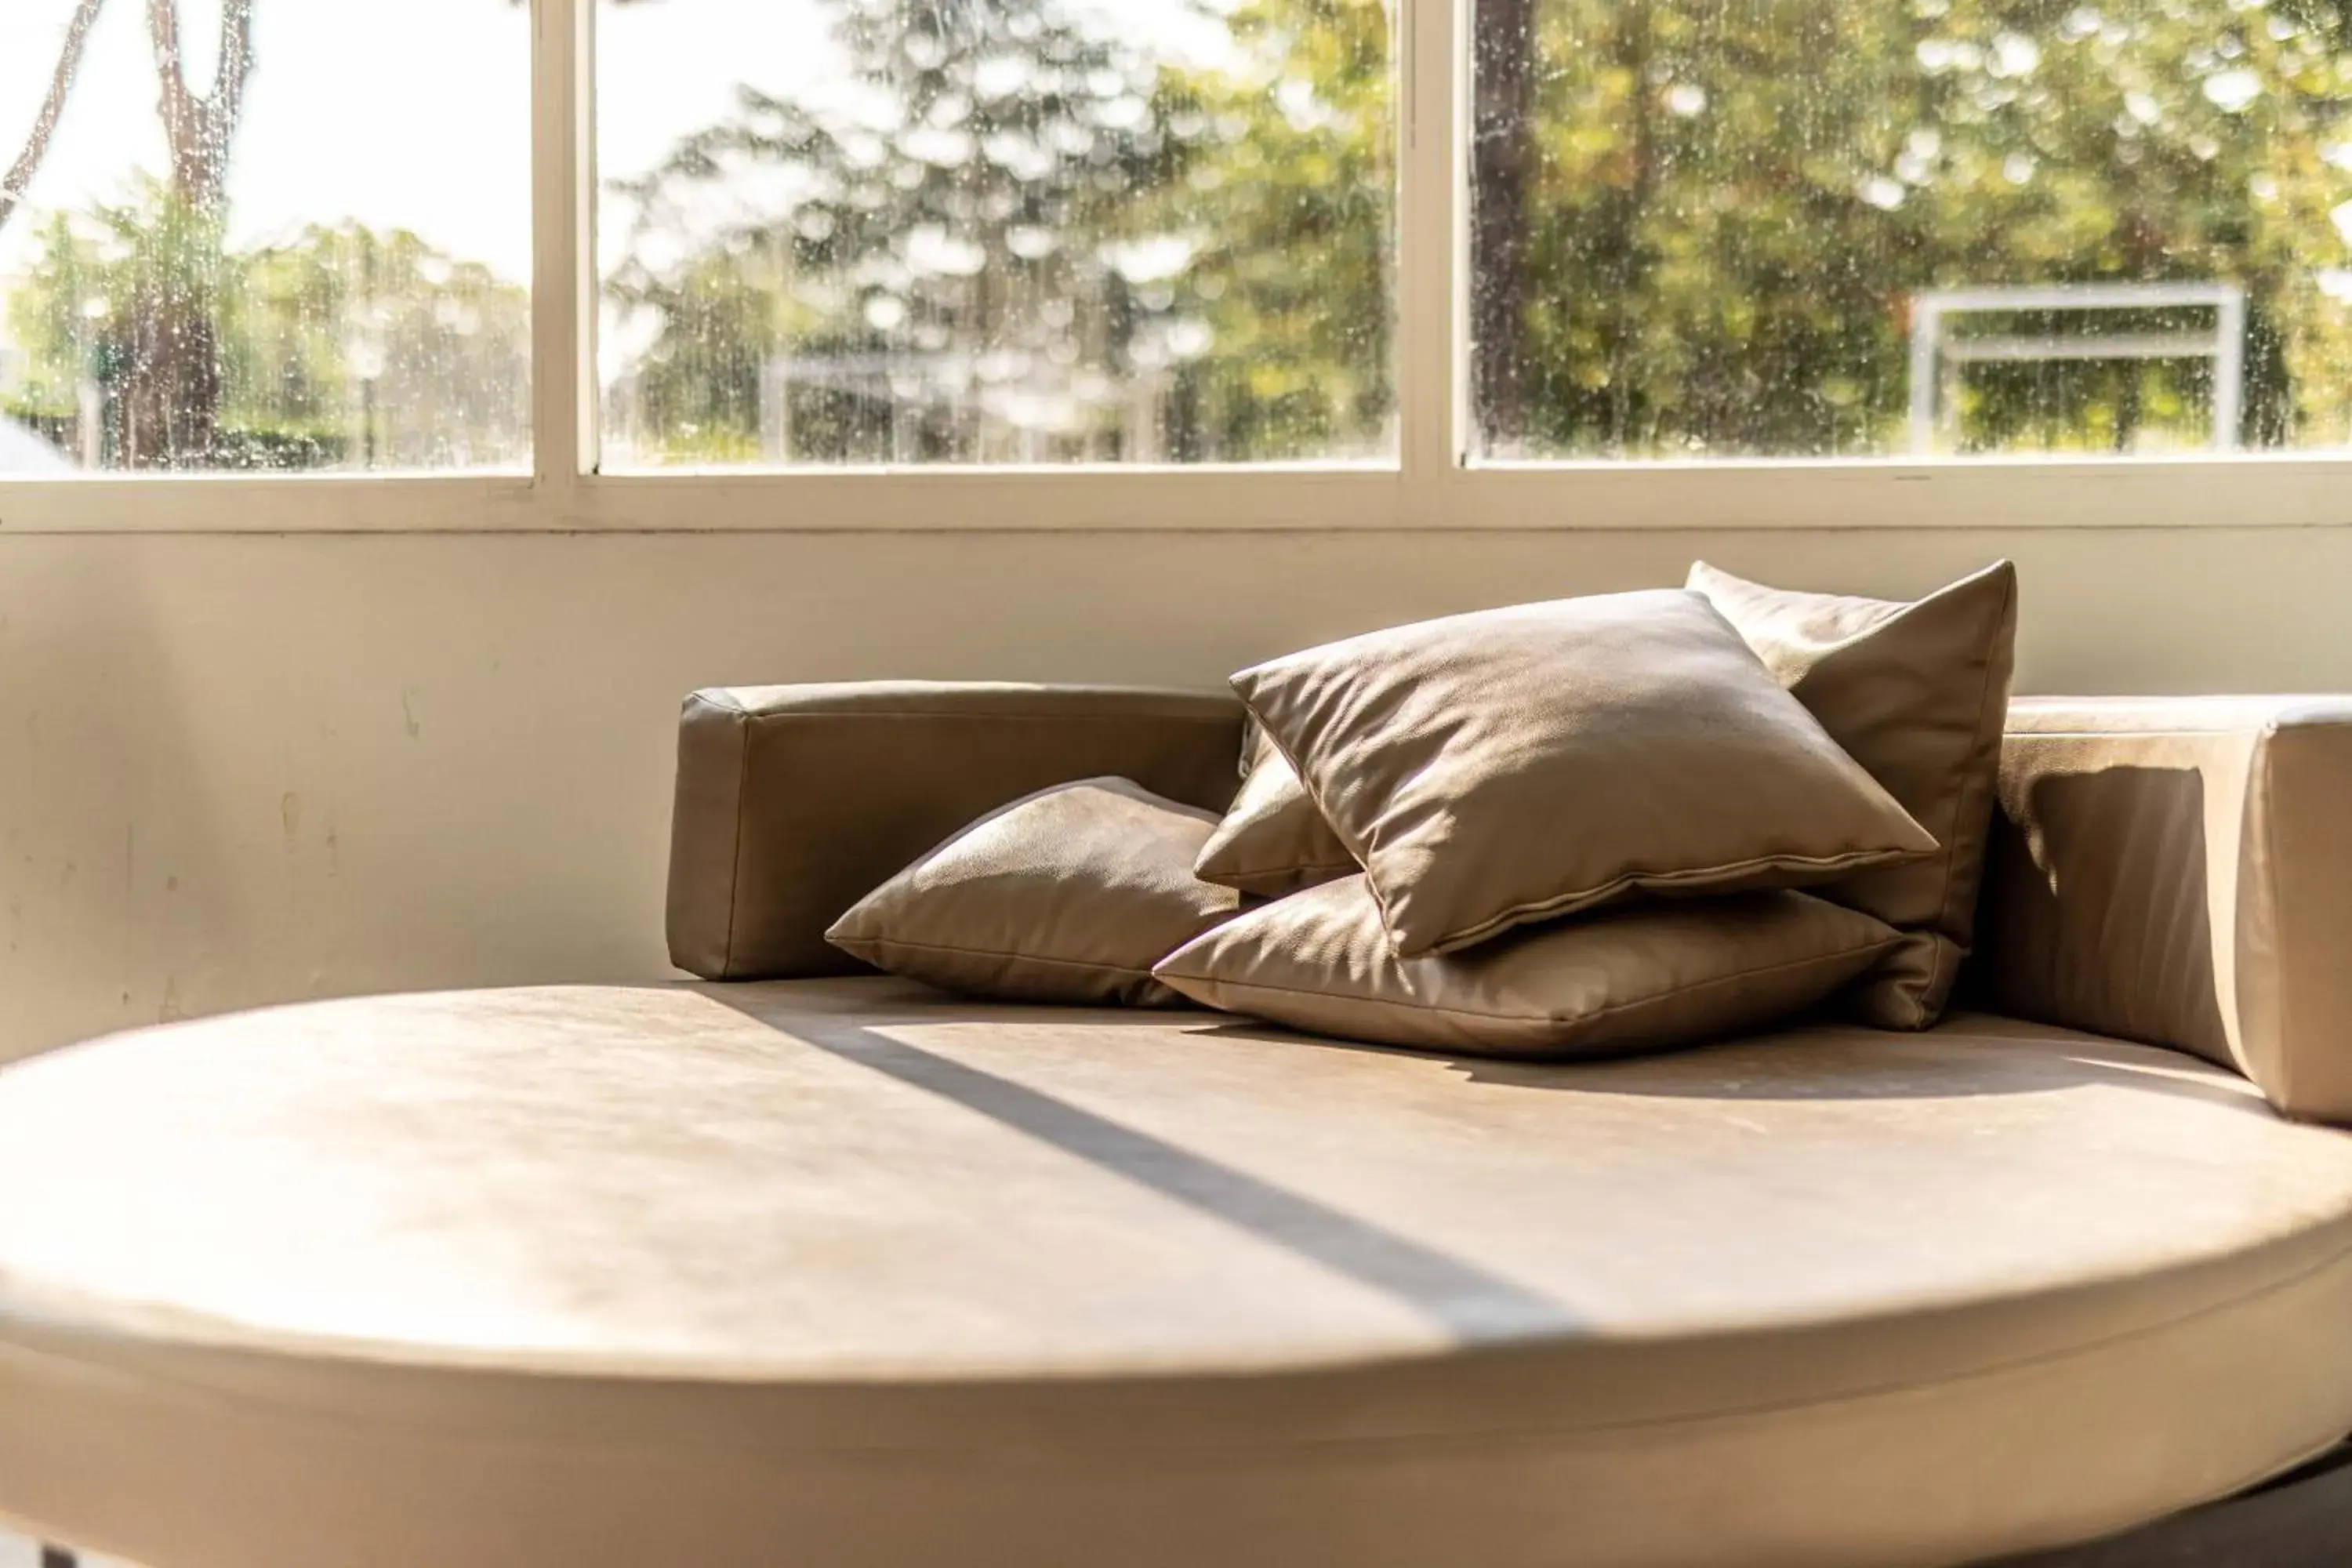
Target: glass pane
(264, 235)
(1848, 228)
(996, 231)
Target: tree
(200, 129)
(1290, 194)
(343, 346)
(1040, 242)
(172, 374)
(1697, 229)
(20, 178)
(1730, 207)
(1503, 62)
(934, 280)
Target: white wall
(237, 770)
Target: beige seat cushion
(1916, 693)
(1638, 978)
(1069, 895)
(600, 1276)
(1512, 765)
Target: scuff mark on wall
(290, 811)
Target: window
(1174, 263)
(264, 235)
(1805, 229)
(996, 231)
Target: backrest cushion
(794, 802)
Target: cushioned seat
(841, 1273)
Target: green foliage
(1730, 206)
(1013, 234)
(1294, 277)
(930, 278)
(699, 386)
(339, 347)
(1699, 227)
(46, 318)
(130, 301)
(1031, 242)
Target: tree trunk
(172, 393)
(201, 129)
(19, 180)
(1501, 170)
(1633, 52)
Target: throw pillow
(1638, 976)
(1273, 841)
(1918, 693)
(1068, 895)
(1518, 764)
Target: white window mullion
(564, 209)
(1430, 364)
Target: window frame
(1431, 485)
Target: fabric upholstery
(2179, 871)
(1068, 895)
(1915, 692)
(793, 802)
(1273, 840)
(1492, 769)
(863, 1276)
(1636, 977)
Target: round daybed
(843, 1273)
(834, 1272)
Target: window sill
(1898, 495)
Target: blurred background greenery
(1032, 231)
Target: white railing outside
(1937, 356)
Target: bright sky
(402, 113)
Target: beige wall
(235, 770)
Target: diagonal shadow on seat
(1469, 1303)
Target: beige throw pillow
(1639, 976)
(1918, 694)
(1513, 765)
(1273, 841)
(1068, 895)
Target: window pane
(1845, 228)
(299, 239)
(996, 231)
